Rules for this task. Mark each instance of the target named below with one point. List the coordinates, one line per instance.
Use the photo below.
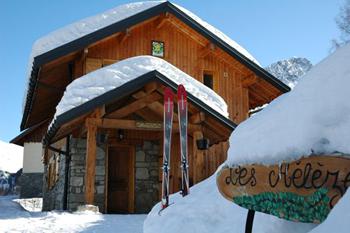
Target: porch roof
(199, 95)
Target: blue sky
(271, 30)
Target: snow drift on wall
(311, 119)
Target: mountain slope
(11, 157)
(290, 70)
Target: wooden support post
(198, 159)
(90, 163)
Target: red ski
(182, 114)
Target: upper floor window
(208, 80)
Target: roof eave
(84, 41)
(123, 91)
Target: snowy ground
(206, 211)
(13, 218)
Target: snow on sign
(302, 191)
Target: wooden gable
(185, 48)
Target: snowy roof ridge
(98, 82)
(91, 24)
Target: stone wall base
(31, 185)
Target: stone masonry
(31, 185)
(53, 199)
(147, 176)
(77, 175)
(147, 184)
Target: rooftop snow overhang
(125, 90)
(88, 39)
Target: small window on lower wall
(208, 80)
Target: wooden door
(120, 179)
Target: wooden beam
(135, 125)
(161, 20)
(198, 157)
(148, 115)
(151, 87)
(124, 35)
(250, 80)
(208, 49)
(148, 88)
(134, 106)
(90, 165)
(197, 118)
(50, 87)
(185, 30)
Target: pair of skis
(168, 120)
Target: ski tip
(168, 93)
(181, 91)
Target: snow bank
(13, 218)
(206, 211)
(11, 157)
(337, 220)
(30, 204)
(89, 25)
(311, 119)
(105, 79)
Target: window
(208, 80)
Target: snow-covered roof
(311, 119)
(92, 24)
(110, 77)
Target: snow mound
(311, 119)
(11, 157)
(110, 77)
(337, 219)
(204, 210)
(30, 204)
(89, 25)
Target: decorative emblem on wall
(158, 48)
(304, 191)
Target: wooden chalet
(108, 150)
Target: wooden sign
(158, 48)
(303, 191)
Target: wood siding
(184, 52)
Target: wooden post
(198, 159)
(90, 163)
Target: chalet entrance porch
(114, 150)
